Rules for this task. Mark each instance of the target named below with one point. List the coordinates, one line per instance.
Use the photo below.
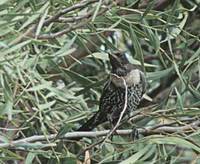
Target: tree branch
(82, 4)
(30, 32)
(157, 129)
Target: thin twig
(30, 32)
(71, 27)
(67, 10)
(74, 19)
(60, 33)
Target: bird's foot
(113, 134)
(135, 134)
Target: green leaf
(78, 77)
(159, 74)
(96, 10)
(8, 105)
(63, 95)
(30, 157)
(13, 48)
(152, 36)
(3, 2)
(137, 46)
(179, 73)
(175, 141)
(88, 87)
(62, 131)
(39, 27)
(35, 16)
(193, 57)
(148, 8)
(46, 105)
(10, 155)
(39, 87)
(180, 99)
(137, 155)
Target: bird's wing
(107, 94)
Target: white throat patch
(131, 78)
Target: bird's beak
(114, 61)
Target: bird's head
(120, 64)
(123, 69)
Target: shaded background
(53, 64)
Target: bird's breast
(132, 78)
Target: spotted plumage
(113, 96)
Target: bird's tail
(92, 122)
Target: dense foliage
(54, 63)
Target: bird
(113, 96)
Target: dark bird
(113, 96)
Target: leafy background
(53, 63)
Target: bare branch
(73, 19)
(161, 129)
(30, 32)
(70, 28)
(71, 8)
(60, 33)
